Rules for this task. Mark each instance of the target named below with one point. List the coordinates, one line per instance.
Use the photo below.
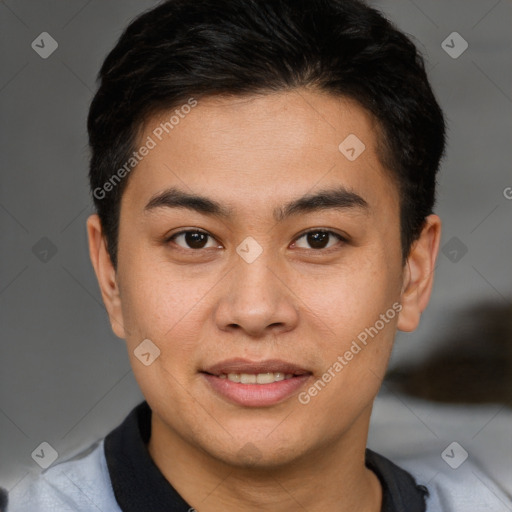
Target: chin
(260, 453)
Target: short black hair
(183, 49)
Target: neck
(333, 477)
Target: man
(264, 178)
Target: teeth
(246, 378)
(260, 378)
(265, 378)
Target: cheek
(354, 365)
(164, 309)
(345, 300)
(355, 320)
(156, 295)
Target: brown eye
(319, 239)
(192, 239)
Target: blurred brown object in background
(474, 365)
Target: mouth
(256, 378)
(255, 384)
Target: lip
(239, 365)
(255, 395)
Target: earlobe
(105, 273)
(419, 274)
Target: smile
(259, 378)
(255, 390)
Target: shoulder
(456, 489)
(81, 483)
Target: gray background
(65, 378)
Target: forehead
(262, 148)
(289, 124)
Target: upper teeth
(253, 378)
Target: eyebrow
(338, 198)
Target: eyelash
(337, 235)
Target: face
(286, 272)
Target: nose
(257, 299)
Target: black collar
(139, 486)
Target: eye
(319, 239)
(194, 239)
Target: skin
(294, 302)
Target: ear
(106, 274)
(419, 274)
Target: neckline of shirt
(139, 485)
